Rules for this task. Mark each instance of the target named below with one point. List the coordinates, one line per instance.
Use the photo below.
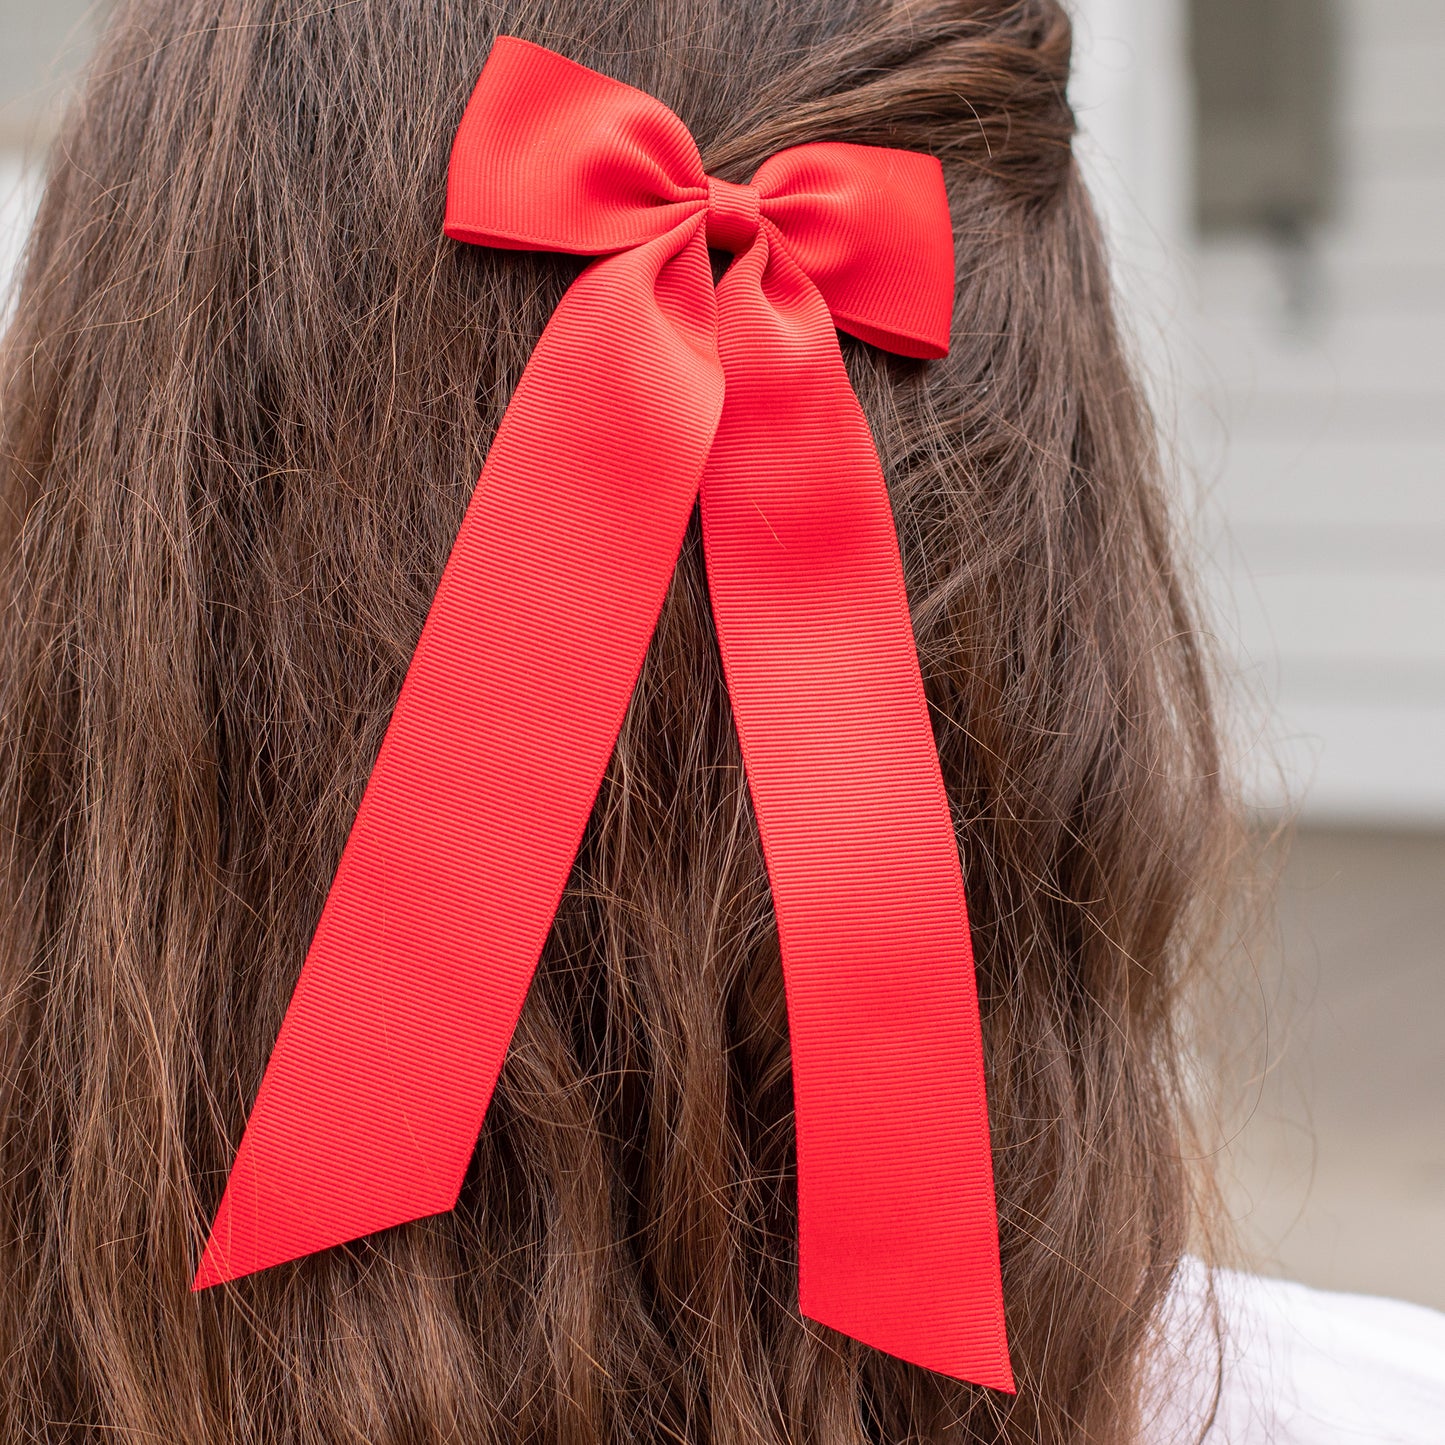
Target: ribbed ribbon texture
(652, 390)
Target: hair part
(245, 396)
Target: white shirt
(1300, 1366)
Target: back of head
(246, 393)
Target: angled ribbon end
(256, 1228)
(211, 1269)
(974, 1351)
(216, 1266)
(227, 1257)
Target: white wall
(1327, 436)
(1316, 430)
(42, 42)
(1130, 91)
(17, 202)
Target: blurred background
(1272, 175)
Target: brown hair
(246, 392)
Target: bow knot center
(732, 215)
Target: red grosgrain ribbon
(648, 390)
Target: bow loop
(871, 229)
(551, 156)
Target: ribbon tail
(898, 1233)
(373, 1098)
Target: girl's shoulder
(1293, 1365)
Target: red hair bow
(649, 391)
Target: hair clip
(650, 390)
